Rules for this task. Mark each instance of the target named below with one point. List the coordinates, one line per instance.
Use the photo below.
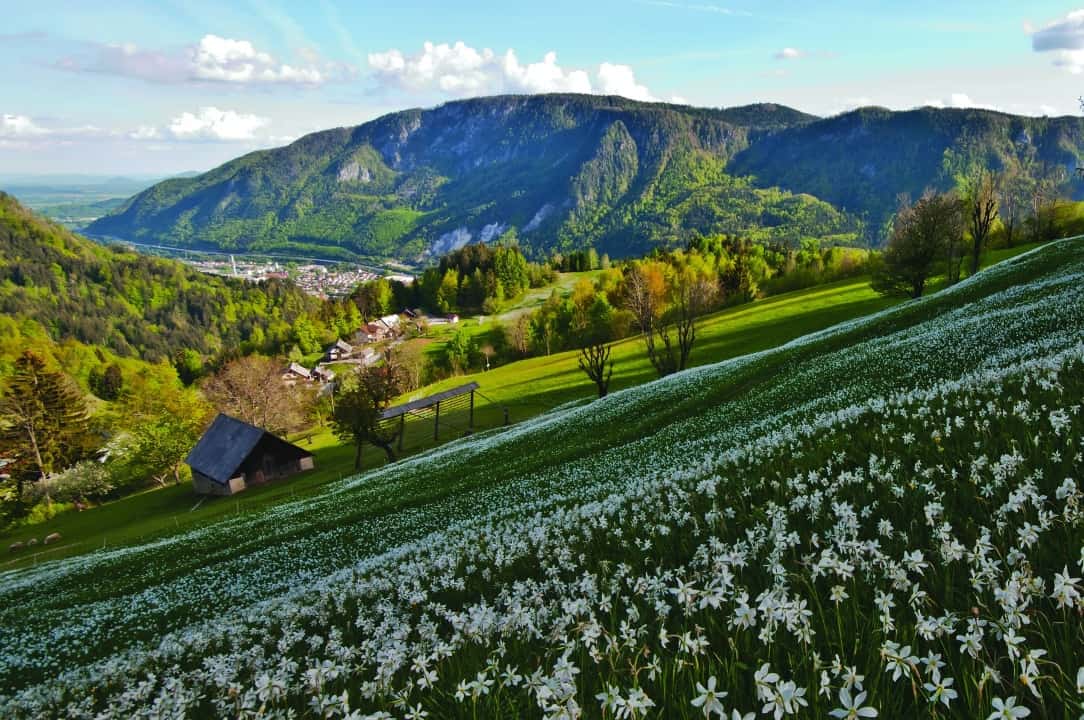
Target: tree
(1015, 191)
(693, 292)
(664, 299)
(920, 237)
(164, 422)
(43, 422)
(519, 334)
(447, 292)
(359, 405)
(645, 297)
(593, 341)
(306, 335)
(251, 389)
(1045, 193)
(543, 324)
(982, 195)
(413, 364)
(374, 298)
(460, 351)
(108, 384)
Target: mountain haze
(575, 171)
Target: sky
(155, 88)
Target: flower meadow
(884, 519)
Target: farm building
(341, 349)
(296, 372)
(233, 455)
(391, 322)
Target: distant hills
(76, 199)
(574, 171)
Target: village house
(295, 372)
(339, 351)
(323, 374)
(233, 455)
(391, 322)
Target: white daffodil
(851, 708)
(1008, 710)
(708, 699)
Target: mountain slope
(132, 304)
(571, 171)
(862, 160)
(529, 540)
(565, 170)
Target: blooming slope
(881, 519)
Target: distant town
(330, 281)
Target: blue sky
(125, 87)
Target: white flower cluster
(899, 494)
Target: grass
(527, 388)
(526, 546)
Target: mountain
(59, 284)
(572, 171)
(863, 160)
(565, 170)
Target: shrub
(87, 480)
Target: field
(527, 388)
(881, 515)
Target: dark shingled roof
(223, 448)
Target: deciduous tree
(251, 389)
(918, 246)
(359, 404)
(593, 340)
(982, 197)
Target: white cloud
(789, 53)
(212, 59)
(460, 70)
(1064, 38)
(24, 129)
(19, 126)
(206, 124)
(959, 100)
(228, 60)
(210, 123)
(699, 7)
(619, 80)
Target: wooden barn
(233, 455)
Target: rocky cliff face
(563, 171)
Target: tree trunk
(357, 455)
(387, 448)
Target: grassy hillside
(527, 388)
(618, 554)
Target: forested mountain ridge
(566, 171)
(131, 304)
(862, 160)
(576, 171)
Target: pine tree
(43, 421)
